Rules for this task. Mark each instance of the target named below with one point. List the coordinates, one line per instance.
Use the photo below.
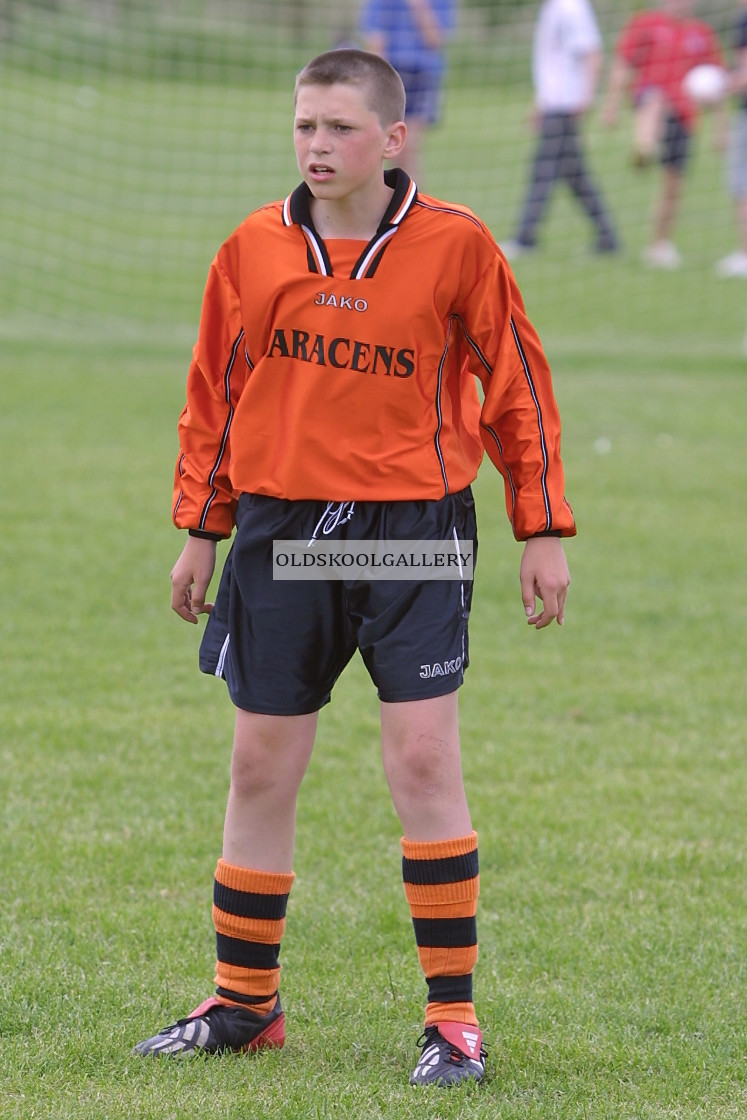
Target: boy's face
(340, 142)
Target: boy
(332, 393)
(566, 63)
(412, 35)
(735, 264)
(654, 52)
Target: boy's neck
(355, 219)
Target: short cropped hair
(380, 82)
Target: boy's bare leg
(270, 757)
(252, 883)
(420, 742)
(647, 127)
(742, 222)
(422, 764)
(668, 203)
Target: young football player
(656, 48)
(332, 397)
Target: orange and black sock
(249, 916)
(441, 885)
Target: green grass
(605, 761)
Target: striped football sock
(441, 885)
(249, 916)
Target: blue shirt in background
(405, 48)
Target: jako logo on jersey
(342, 353)
(441, 668)
(345, 303)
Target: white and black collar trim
(297, 211)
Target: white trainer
(735, 265)
(513, 249)
(662, 254)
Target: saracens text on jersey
(342, 353)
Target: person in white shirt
(735, 264)
(566, 65)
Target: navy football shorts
(676, 143)
(280, 645)
(422, 94)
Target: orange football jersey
(348, 371)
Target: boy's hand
(190, 579)
(544, 574)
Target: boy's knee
(269, 752)
(252, 767)
(425, 761)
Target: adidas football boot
(214, 1028)
(452, 1052)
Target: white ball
(706, 84)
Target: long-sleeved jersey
(348, 371)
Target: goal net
(134, 136)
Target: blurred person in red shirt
(654, 52)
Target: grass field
(605, 761)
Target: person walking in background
(566, 63)
(411, 35)
(653, 54)
(735, 264)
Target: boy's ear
(395, 140)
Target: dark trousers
(559, 157)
